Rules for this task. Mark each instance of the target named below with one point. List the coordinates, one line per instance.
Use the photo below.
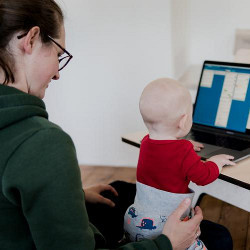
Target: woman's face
(43, 66)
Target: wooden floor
(236, 220)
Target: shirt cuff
(163, 242)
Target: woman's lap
(109, 220)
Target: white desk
(232, 186)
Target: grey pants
(147, 216)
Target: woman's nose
(56, 76)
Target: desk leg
(225, 191)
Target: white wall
(121, 45)
(209, 29)
(212, 28)
(118, 47)
(179, 36)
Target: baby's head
(166, 108)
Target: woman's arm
(42, 179)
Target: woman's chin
(41, 94)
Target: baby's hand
(222, 160)
(197, 146)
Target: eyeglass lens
(63, 61)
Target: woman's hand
(183, 233)
(92, 194)
(197, 146)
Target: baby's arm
(200, 172)
(197, 145)
(222, 160)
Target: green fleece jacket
(42, 203)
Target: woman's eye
(60, 54)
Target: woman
(42, 205)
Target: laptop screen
(223, 97)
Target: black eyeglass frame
(69, 56)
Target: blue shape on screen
(239, 113)
(207, 105)
(208, 101)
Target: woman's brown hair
(22, 15)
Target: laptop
(221, 115)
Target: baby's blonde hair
(163, 102)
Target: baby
(167, 163)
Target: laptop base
(210, 150)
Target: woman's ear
(30, 39)
(182, 122)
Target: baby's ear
(182, 122)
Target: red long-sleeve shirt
(171, 164)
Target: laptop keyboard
(222, 141)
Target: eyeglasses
(63, 59)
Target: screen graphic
(223, 98)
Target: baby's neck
(161, 136)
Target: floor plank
(233, 218)
(211, 208)
(95, 174)
(248, 234)
(236, 220)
